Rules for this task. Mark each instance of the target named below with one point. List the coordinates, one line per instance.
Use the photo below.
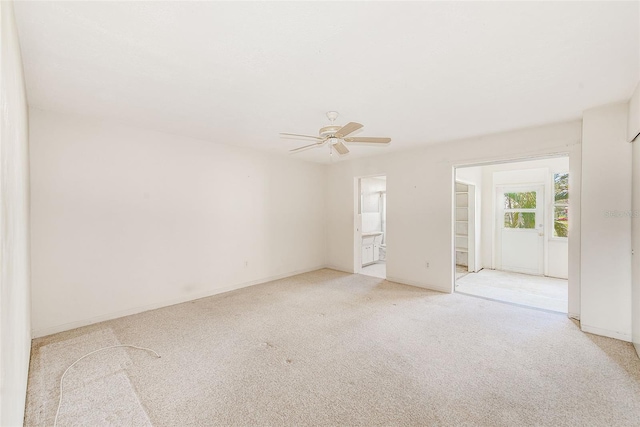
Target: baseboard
(336, 268)
(37, 333)
(637, 347)
(605, 332)
(398, 280)
(418, 285)
(574, 316)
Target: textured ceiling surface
(240, 73)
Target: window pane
(520, 220)
(520, 200)
(561, 205)
(561, 187)
(560, 221)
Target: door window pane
(520, 220)
(525, 200)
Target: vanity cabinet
(370, 247)
(367, 254)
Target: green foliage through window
(525, 200)
(517, 203)
(520, 220)
(561, 205)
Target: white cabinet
(371, 247)
(370, 253)
(367, 254)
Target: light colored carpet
(379, 269)
(329, 348)
(97, 390)
(547, 293)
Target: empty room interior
(319, 213)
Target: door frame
(357, 219)
(575, 162)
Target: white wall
(606, 222)
(15, 310)
(125, 219)
(420, 204)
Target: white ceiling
(239, 73)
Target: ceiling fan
(336, 136)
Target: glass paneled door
(520, 229)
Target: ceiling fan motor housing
(329, 131)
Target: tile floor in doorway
(461, 271)
(533, 291)
(379, 269)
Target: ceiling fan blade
(302, 136)
(340, 148)
(368, 139)
(347, 129)
(295, 150)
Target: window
(561, 205)
(519, 210)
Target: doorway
(520, 232)
(371, 227)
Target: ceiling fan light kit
(336, 136)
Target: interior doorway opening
(511, 232)
(371, 227)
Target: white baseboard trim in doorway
(605, 332)
(418, 284)
(340, 269)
